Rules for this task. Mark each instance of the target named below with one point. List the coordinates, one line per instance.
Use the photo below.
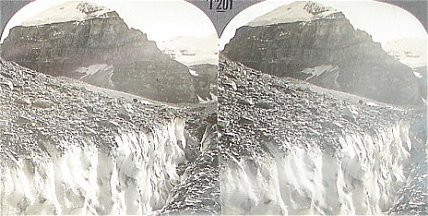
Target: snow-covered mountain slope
(409, 51)
(73, 149)
(192, 50)
(288, 148)
(69, 11)
(300, 11)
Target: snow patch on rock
(193, 73)
(318, 70)
(93, 69)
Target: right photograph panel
(322, 110)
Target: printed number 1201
(221, 5)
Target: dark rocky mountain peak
(92, 43)
(322, 47)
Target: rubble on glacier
(286, 109)
(45, 120)
(273, 130)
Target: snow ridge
(294, 12)
(68, 11)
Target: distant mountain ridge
(409, 51)
(191, 50)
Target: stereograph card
(219, 107)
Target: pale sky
(383, 21)
(160, 19)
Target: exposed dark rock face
(137, 66)
(423, 82)
(206, 80)
(364, 68)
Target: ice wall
(134, 178)
(360, 177)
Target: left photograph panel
(108, 107)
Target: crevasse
(361, 177)
(133, 178)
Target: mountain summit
(295, 12)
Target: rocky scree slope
(322, 47)
(65, 149)
(99, 48)
(289, 148)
